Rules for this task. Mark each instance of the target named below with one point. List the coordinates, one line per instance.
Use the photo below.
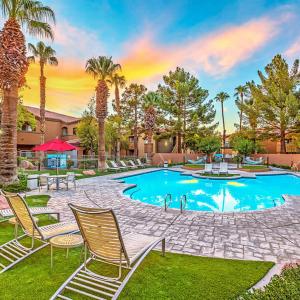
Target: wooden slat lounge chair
(7, 213)
(13, 251)
(104, 242)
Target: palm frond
(31, 59)
(5, 8)
(53, 61)
(40, 29)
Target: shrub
(283, 287)
(70, 164)
(21, 186)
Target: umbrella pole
(56, 163)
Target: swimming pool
(212, 195)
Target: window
(27, 128)
(64, 131)
(74, 131)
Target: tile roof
(52, 115)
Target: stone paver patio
(272, 235)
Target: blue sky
(223, 43)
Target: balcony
(28, 138)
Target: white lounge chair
(223, 168)
(107, 167)
(132, 164)
(13, 251)
(114, 164)
(208, 169)
(104, 242)
(123, 164)
(140, 164)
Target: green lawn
(218, 175)
(194, 166)
(255, 167)
(172, 277)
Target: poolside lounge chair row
(103, 242)
(223, 169)
(122, 165)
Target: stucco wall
(282, 159)
(159, 158)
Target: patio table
(57, 179)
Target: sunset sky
(223, 43)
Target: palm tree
(240, 92)
(151, 100)
(119, 82)
(46, 55)
(102, 68)
(221, 97)
(34, 17)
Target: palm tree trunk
(241, 112)
(118, 109)
(150, 145)
(42, 104)
(8, 137)
(135, 133)
(13, 67)
(224, 130)
(101, 144)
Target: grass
(194, 166)
(175, 276)
(255, 167)
(218, 175)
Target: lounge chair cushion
(52, 230)
(136, 244)
(3, 203)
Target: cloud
(293, 50)
(76, 42)
(215, 53)
(68, 87)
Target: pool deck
(270, 235)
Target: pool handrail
(166, 205)
(183, 201)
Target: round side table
(66, 241)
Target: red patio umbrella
(55, 145)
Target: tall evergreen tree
(185, 104)
(276, 97)
(132, 109)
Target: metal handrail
(165, 201)
(183, 201)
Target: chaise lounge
(13, 251)
(104, 242)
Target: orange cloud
(293, 50)
(68, 87)
(215, 53)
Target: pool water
(212, 195)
